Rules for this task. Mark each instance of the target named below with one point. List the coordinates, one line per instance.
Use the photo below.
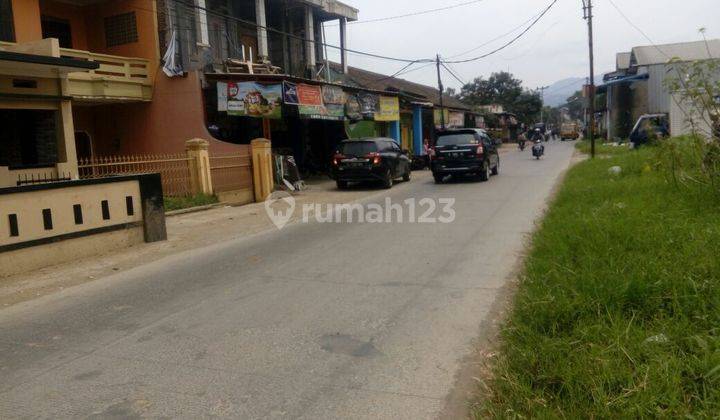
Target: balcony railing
(118, 79)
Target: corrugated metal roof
(622, 61)
(685, 51)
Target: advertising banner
(389, 109)
(353, 110)
(332, 112)
(333, 95)
(309, 95)
(369, 104)
(311, 101)
(250, 99)
(290, 95)
(456, 120)
(438, 116)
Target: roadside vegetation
(179, 203)
(618, 312)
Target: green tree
(501, 88)
(504, 89)
(527, 107)
(575, 106)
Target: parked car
(464, 152)
(370, 159)
(649, 127)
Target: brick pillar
(261, 150)
(200, 179)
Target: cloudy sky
(556, 48)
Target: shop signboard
(310, 100)
(290, 94)
(369, 104)
(438, 117)
(456, 120)
(389, 109)
(309, 95)
(331, 112)
(251, 99)
(333, 95)
(353, 110)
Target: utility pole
(441, 89)
(542, 103)
(587, 15)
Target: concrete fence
(46, 224)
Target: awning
(627, 79)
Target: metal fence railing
(175, 170)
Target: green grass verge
(618, 312)
(179, 203)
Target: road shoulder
(476, 367)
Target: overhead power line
(269, 29)
(398, 72)
(512, 31)
(452, 73)
(512, 41)
(419, 13)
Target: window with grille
(121, 29)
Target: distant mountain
(557, 93)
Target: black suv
(370, 159)
(464, 152)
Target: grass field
(618, 312)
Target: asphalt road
(315, 321)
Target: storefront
(302, 118)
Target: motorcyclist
(521, 141)
(536, 135)
(538, 148)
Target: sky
(554, 49)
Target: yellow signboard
(439, 114)
(389, 109)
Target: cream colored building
(37, 141)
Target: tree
(527, 107)
(503, 89)
(575, 106)
(553, 116)
(451, 92)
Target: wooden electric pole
(440, 88)
(588, 15)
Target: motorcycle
(538, 150)
(521, 144)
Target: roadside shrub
(690, 160)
